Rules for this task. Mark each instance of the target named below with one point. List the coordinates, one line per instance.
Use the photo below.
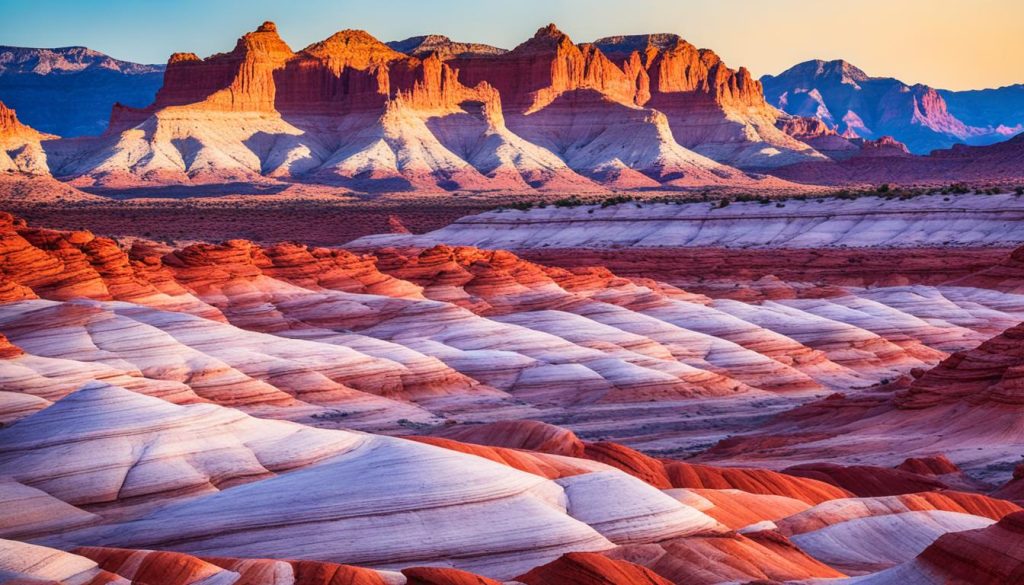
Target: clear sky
(955, 44)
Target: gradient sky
(955, 44)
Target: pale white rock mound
(28, 563)
(152, 450)
(873, 543)
(966, 220)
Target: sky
(952, 44)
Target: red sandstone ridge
(868, 481)
(967, 407)
(259, 571)
(240, 80)
(693, 88)
(711, 108)
(348, 70)
(351, 111)
(347, 111)
(1007, 275)
(674, 66)
(522, 434)
(8, 349)
(443, 576)
(429, 115)
(537, 463)
(937, 465)
(591, 569)
(145, 567)
(151, 566)
(991, 374)
(884, 146)
(987, 556)
(663, 474)
(11, 128)
(535, 73)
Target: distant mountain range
(1002, 106)
(70, 91)
(924, 118)
(428, 114)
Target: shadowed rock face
(990, 373)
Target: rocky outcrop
(696, 100)
(937, 465)
(20, 146)
(531, 76)
(988, 374)
(430, 115)
(1007, 274)
(717, 111)
(351, 111)
(346, 111)
(818, 135)
(522, 434)
(240, 80)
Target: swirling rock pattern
(143, 389)
(321, 335)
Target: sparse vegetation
(572, 201)
(618, 199)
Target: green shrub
(617, 200)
